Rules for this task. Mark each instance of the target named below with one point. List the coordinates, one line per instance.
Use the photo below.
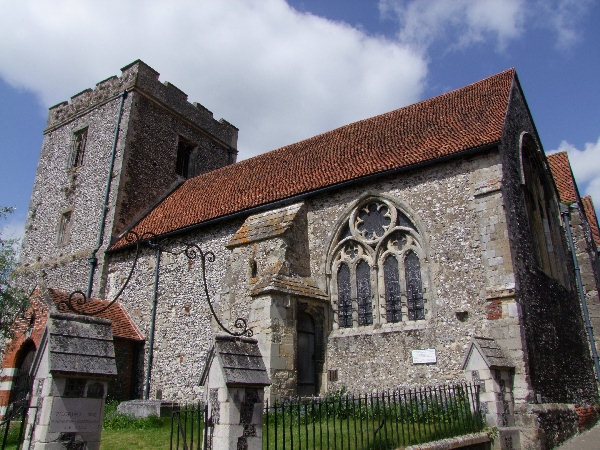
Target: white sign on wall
(424, 356)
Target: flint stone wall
(559, 366)
(468, 257)
(59, 188)
(183, 328)
(154, 115)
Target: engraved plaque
(424, 356)
(76, 415)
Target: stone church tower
(107, 157)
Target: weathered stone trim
(384, 328)
(455, 442)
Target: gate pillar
(486, 365)
(234, 379)
(71, 369)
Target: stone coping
(455, 442)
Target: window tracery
(377, 267)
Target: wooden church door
(305, 355)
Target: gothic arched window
(543, 212)
(377, 267)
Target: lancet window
(78, 147)
(377, 267)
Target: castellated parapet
(144, 79)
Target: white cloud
(277, 74)
(562, 17)
(586, 167)
(458, 24)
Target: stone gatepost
(234, 379)
(74, 362)
(486, 365)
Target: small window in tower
(184, 165)
(79, 141)
(64, 228)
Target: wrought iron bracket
(194, 252)
(77, 300)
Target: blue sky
(284, 71)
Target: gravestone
(234, 379)
(72, 366)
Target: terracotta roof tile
(122, 325)
(466, 118)
(590, 213)
(563, 177)
(567, 190)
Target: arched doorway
(306, 355)
(21, 384)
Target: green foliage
(493, 433)
(13, 301)
(120, 431)
(12, 438)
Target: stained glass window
(414, 287)
(393, 306)
(373, 220)
(377, 244)
(363, 288)
(344, 297)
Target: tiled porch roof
(122, 325)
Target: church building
(381, 254)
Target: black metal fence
(188, 431)
(386, 420)
(12, 426)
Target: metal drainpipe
(152, 326)
(565, 212)
(92, 258)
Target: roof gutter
(304, 195)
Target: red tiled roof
(590, 213)
(567, 190)
(463, 119)
(122, 325)
(563, 177)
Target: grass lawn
(156, 438)
(121, 432)
(13, 434)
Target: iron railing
(188, 430)
(12, 425)
(385, 420)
